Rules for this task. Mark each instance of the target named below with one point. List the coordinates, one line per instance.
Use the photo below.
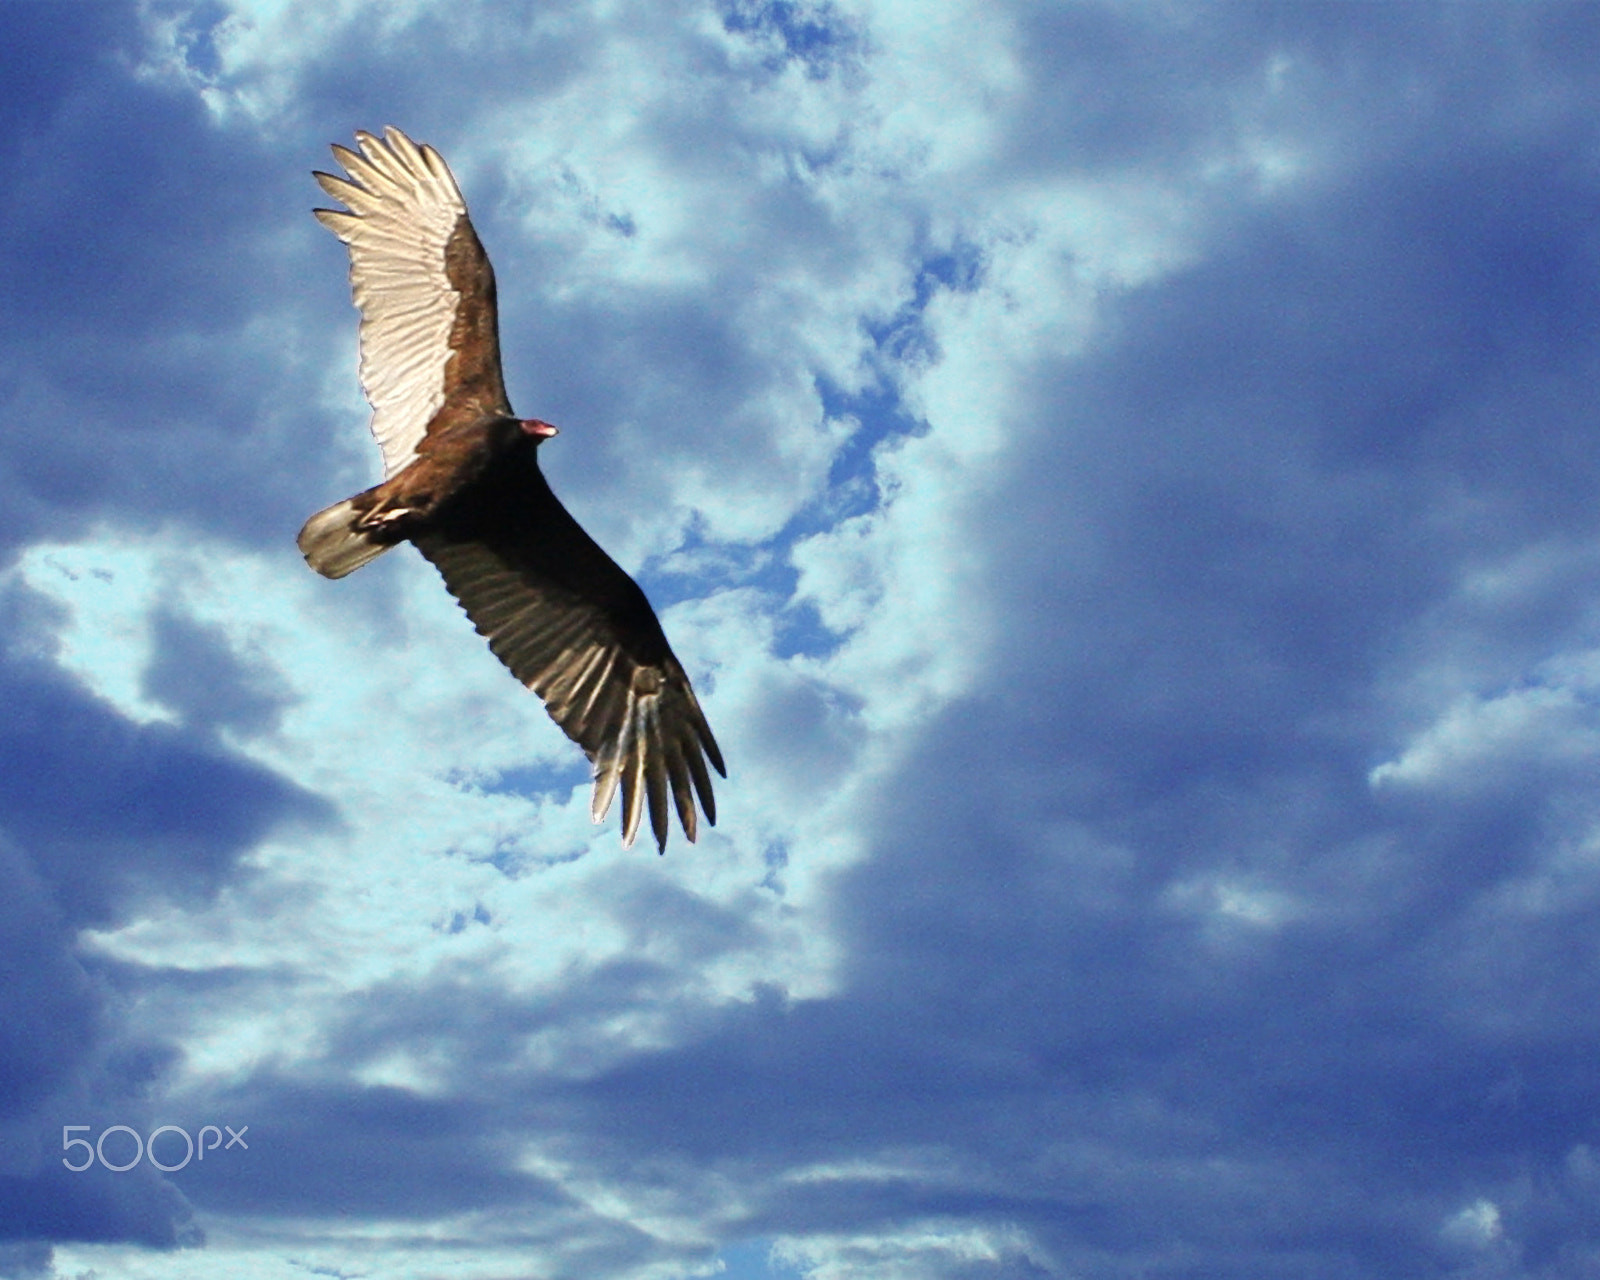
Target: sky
(1123, 481)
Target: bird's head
(540, 431)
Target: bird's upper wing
(576, 629)
(429, 331)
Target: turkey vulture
(462, 483)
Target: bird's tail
(333, 547)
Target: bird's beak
(536, 428)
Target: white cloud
(1476, 1227)
(699, 236)
(916, 1252)
(400, 717)
(245, 64)
(1491, 731)
(1551, 721)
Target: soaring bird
(462, 484)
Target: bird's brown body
(464, 486)
(450, 462)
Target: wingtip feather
(606, 777)
(632, 795)
(654, 766)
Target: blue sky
(1123, 480)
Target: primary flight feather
(462, 483)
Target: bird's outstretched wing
(429, 329)
(577, 630)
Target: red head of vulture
(462, 483)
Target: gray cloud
(1126, 478)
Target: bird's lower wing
(636, 718)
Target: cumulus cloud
(1121, 480)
